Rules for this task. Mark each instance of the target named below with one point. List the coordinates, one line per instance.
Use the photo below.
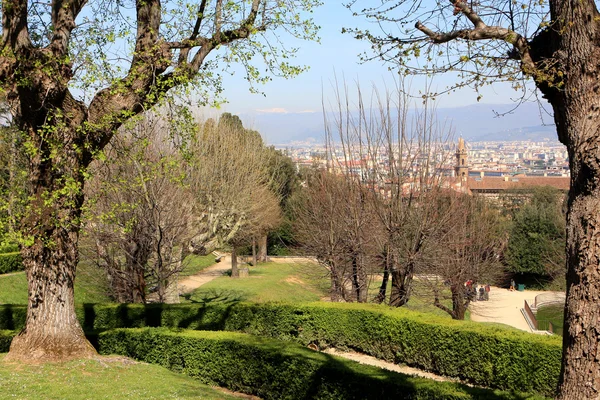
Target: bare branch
(481, 31)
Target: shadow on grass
(216, 296)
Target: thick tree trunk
(52, 331)
(577, 115)
(401, 285)
(580, 376)
(460, 302)
(262, 248)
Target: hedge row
(10, 262)
(9, 248)
(272, 369)
(489, 356)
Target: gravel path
(193, 282)
(504, 307)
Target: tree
(555, 44)
(466, 246)
(537, 236)
(400, 160)
(285, 182)
(50, 49)
(228, 174)
(140, 208)
(334, 223)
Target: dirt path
(504, 307)
(403, 369)
(193, 282)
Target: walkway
(504, 307)
(193, 282)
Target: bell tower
(461, 169)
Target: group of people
(474, 293)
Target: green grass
(267, 282)
(554, 313)
(194, 264)
(90, 286)
(103, 378)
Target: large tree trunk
(580, 377)
(577, 115)
(460, 302)
(52, 331)
(401, 284)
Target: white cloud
(279, 110)
(273, 111)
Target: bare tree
(334, 222)
(401, 155)
(465, 247)
(140, 208)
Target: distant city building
(493, 182)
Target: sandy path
(376, 362)
(193, 282)
(504, 307)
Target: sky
(336, 54)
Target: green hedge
(489, 356)
(10, 262)
(6, 337)
(9, 248)
(272, 369)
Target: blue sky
(337, 53)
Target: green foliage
(9, 248)
(275, 370)
(485, 355)
(537, 236)
(107, 378)
(10, 262)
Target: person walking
(512, 285)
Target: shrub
(275, 370)
(10, 262)
(485, 355)
(6, 337)
(9, 248)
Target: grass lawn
(554, 313)
(267, 282)
(102, 378)
(90, 286)
(194, 264)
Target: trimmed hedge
(9, 248)
(10, 262)
(6, 337)
(272, 369)
(484, 355)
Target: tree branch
(481, 31)
(64, 13)
(14, 25)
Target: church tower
(462, 169)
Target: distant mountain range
(479, 122)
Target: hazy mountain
(477, 122)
